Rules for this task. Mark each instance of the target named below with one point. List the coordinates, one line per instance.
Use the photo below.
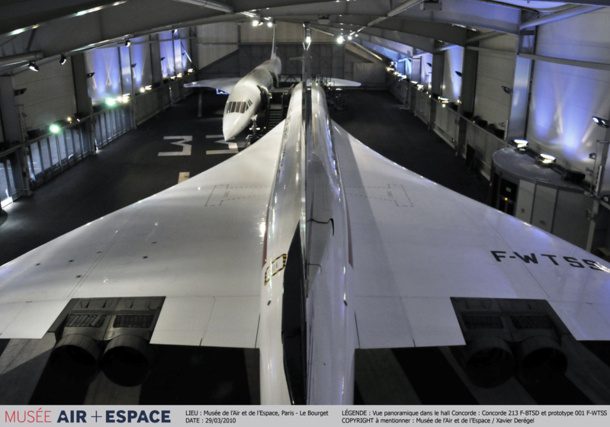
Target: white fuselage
(245, 99)
(321, 217)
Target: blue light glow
(106, 82)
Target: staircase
(275, 116)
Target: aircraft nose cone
(230, 126)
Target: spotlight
(507, 90)
(521, 143)
(546, 159)
(593, 156)
(32, 66)
(340, 39)
(255, 22)
(601, 122)
(175, 31)
(62, 59)
(349, 37)
(133, 65)
(429, 64)
(54, 128)
(127, 42)
(90, 75)
(162, 58)
(270, 24)
(111, 102)
(308, 39)
(459, 73)
(142, 90)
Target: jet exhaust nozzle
(540, 359)
(488, 361)
(75, 357)
(127, 360)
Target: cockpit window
(238, 107)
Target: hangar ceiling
(39, 29)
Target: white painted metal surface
(397, 249)
(245, 94)
(283, 213)
(442, 246)
(175, 244)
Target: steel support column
(14, 134)
(84, 106)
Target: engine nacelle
(539, 359)
(127, 360)
(488, 361)
(75, 357)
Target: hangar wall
(496, 68)
(452, 82)
(49, 95)
(565, 97)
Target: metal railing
(447, 124)
(50, 154)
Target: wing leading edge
(226, 84)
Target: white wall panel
(525, 200)
(506, 42)
(570, 222)
(452, 83)
(544, 207)
(564, 97)
(49, 95)
(216, 33)
(168, 64)
(491, 102)
(140, 57)
(285, 33)
(106, 81)
(425, 73)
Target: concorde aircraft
(247, 95)
(307, 246)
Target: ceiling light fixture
(62, 59)
(127, 42)
(32, 66)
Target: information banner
(269, 416)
